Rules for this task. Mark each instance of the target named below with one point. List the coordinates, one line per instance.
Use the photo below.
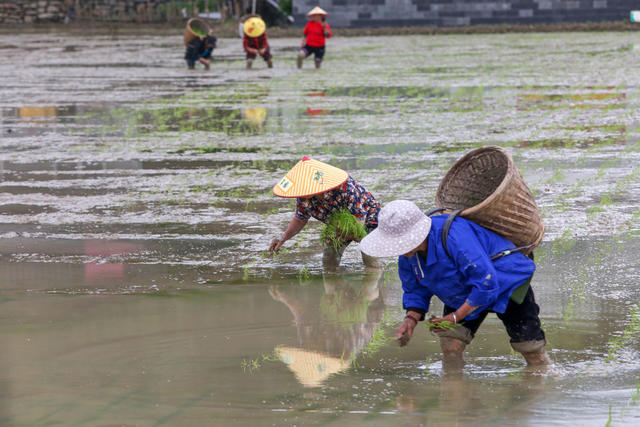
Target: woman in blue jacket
(462, 275)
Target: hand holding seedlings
(442, 323)
(405, 331)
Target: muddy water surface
(136, 207)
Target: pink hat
(402, 227)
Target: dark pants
(520, 320)
(318, 52)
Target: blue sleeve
(414, 295)
(475, 264)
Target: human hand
(442, 323)
(262, 51)
(275, 245)
(405, 331)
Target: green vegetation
(342, 227)
(198, 32)
(630, 334)
(444, 325)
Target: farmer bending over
(199, 50)
(469, 283)
(254, 41)
(320, 190)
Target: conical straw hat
(254, 27)
(317, 11)
(308, 178)
(311, 368)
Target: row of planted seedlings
(607, 250)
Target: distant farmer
(315, 33)
(321, 190)
(254, 41)
(199, 50)
(469, 283)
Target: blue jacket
(473, 277)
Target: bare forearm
(294, 227)
(463, 311)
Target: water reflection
(256, 116)
(35, 119)
(101, 250)
(333, 327)
(464, 400)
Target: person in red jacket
(254, 41)
(315, 33)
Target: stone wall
(31, 11)
(377, 13)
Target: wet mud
(136, 211)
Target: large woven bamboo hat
(254, 27)
(317, 11)
(308, 178)
(311, 368)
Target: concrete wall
(377, 13)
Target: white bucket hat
(402, 227)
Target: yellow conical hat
(311, 368)
(254, 27)
(317, 11)
(308, 178)
(256, 115)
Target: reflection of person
(254, 41)
(315, 33)
(331, 328)
(200, 50)
(469, 283)
(321, 189)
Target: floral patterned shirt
(350, 195)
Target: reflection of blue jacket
(473, 277)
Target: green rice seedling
(444, 325)
(304, 275)
(250, 365)
(609, 422)
(342, 227)
(377, 342)
(629, 334)
(635, 396)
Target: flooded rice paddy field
(136, 209)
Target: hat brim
(317, 11)
(379, 244)
(308, 178)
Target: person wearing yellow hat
(254, 41)
(320, 190)
(315, 33)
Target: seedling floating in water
(342, 227)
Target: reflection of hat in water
(317, 11)
(308, 178)
(402, 227)
(311, 368)
(255, 115)
(254, 27)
